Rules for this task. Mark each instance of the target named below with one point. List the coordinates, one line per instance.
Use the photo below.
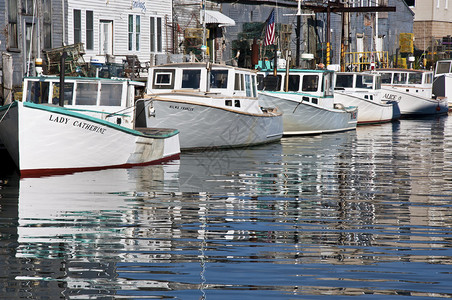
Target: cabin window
(111, 94)
(315, 101)
(248, 85)
(327, 84)
(272, 83)
(310, 83)
(386, 78)
(37, 92)
(237, 103)
(428, 78)
(77, 26)
(415, 78)
(89, 30)
(191, 79)
(86, 93)
(260, 82)
(364, 81)
(294, 83)
(344, 81)
(219, 79)
(254, 86)
(68, 93)
(399, 78)
(443, 67)
(228, 102)
(47, 24)
(239, 82)
(163, 79)
(13, 42)
(377, 82)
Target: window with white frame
(89, 30)
(77, 26)
(137, 32)
(13, 41)
(47, 23)
(155, 37)
(130, 32)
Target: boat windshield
(294, 83)
(386, 78)
(364, 81)
(270, 83)
(111, 94)
(344, 81)
(68, 93)
(443, 67)
(415, 78)
(310, 83)
(219, 79)
(191, 79)
(399, 78)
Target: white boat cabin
(366, 86)
(443, 67)
(317, 83)
(201, 77)
(417, 82)
(108, 99)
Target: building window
(27, 7)
(89, 30)
(137, 32)
(77, 26)
(12, 24)
(130, 32)
(152, 37)
(156, 34)
(159, 35)
(47, 23)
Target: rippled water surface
(362, 214)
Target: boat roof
(299, 70)
(78, 78)
(404, 70)
(201, 65)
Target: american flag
(270, 30)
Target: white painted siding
(118, 11)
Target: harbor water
(358, 214)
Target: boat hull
(204, 126)
(414, 105)
(370, 112)
(303, 118)
(44, 139)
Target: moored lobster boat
(95, 128)
(413, 91)
(363, 91)
(306, 98)
(213, 106)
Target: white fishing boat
(412, 89)
(306, 98)
(213, 106)
(94, 129)
(442, 81)
(363, 90)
